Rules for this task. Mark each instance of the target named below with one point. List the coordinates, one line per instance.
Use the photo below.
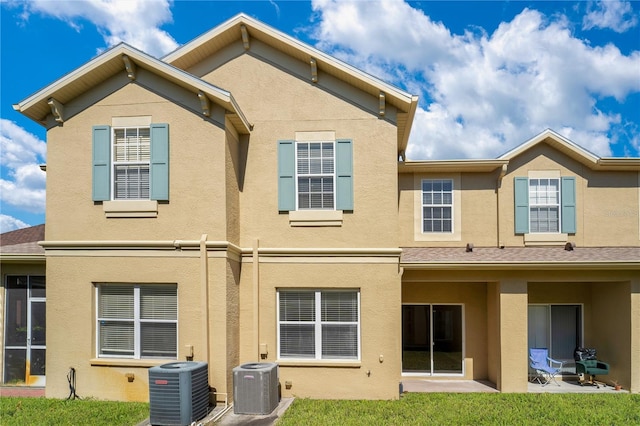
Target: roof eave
(402, 100)
(605, 265)
(141, 59)
(450, 166)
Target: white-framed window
(315, 175)
(437, 205)
(544, 205)
(137, 320)
(131, 152)
(319, 324)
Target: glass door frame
(567, 369)
(29, 379)
(431, 344)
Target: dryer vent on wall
(178, 393)
(255, 388)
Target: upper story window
(315, 171)
(437, 205)
(131, 163)
(131, 155)
(545, 204)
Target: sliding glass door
(558, 328)
(432, 339)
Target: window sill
(319, 363)
(137, 208)
(125, 362)
(315, 218)
(545, 239)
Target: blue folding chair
(546, 368)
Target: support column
(635, 336)
(513, 303)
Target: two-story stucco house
(241, 200)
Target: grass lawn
(470, 409)
(43, 411)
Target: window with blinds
(131, 155)
(319, 324)
(315, 175)
(137, 321)
(544, 205)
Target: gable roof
(122, 59)
(245, 28)
(574, 151)
(548, 136)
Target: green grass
(43, 411)
(470, 409)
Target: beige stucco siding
(71, 320)
(197, 169)
(377, 374)
(280, 104)
(606, 202)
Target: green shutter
(159, 167)
(568, 205)
(521, 196)
(286, 175)
(101, 178)
(344, 174)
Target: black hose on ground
(71, 378)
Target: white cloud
(8, 223)
(135, 22)
(482, 94)
(616, 15)
(23, 183)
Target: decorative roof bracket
(130, 67)
(382, 101)
(314, 70)
(57, 109)
(204, 104)
(245, 37)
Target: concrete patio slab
(453, 386)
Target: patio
(570, 385)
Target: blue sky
(490, 75)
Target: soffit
(111, 63)
(574, 151)
(229, 32)
(451, 166)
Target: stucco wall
(606, 202)
(279, 103)
(197, 173)
(377, 374)
(71, 317)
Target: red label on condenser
(161, 382)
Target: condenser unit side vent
(178, 393)
(255, 388)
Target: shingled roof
(513, 257)
(22, 241)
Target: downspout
(204, 297)
(503, 172)
(256, 298)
